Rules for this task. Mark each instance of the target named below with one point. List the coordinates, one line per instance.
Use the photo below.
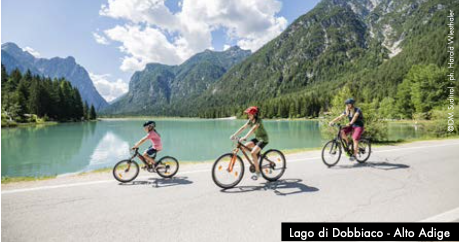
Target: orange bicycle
(228, 169)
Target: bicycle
(331, 153)
(228, 169)
(127, 170)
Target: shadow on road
(380, 165)
(281, 187)
(161, 182)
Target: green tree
(387, 108)
(35, 102)
(85, 110)
(92, 113)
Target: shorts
(356, 132)
(260, 144)
(151, 152)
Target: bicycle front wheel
(167, 167)
(126, 171)
(273, 165)
(228, 170)
(331, 153)
(364, 151)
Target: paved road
(410, 182)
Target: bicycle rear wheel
(331, 153)
(273, 165)
(167, 167)
(126, 171)
(228, 171)
(364, 151)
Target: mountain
(370, 44)
(14, 57)
(167, 90)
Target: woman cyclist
(261, 136)
(153, 135)
(355, 124)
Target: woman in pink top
(150, 153)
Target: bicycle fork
(233, 160)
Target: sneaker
(352, 158)
(254, 177)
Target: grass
(7, 179)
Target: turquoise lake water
(77, 147)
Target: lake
(78, 147)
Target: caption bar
(370, 231)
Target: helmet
(149, 123)
(349, 101)
(253, 110)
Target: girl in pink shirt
(153, 135)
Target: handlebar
(338, 125)
(134, 150)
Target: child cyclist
(155, 138)
(261, 136)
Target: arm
(140, 142)
(250, 132)
(337, 119)
(240, 130)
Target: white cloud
(31, 51)
(226, 47)
(100, 39)
(110, 90)
(154, 34)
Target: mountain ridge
(15, 57)
(165, 89)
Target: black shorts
(151, 152)
(260, 144)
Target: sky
(112, 39)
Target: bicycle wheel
(273, 165)
(126, 171)
(228, 170)
(167, 167)
(364, 151)
(331, 153)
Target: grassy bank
(8, 179)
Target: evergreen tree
(35, 102)
(92, 113)
(4, 79)
(85, 110)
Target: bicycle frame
(137, 154)
(340, 139)
(239, 147)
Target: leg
(344, 135)
(249, 145)
(356, 134)
(148, 159)
(356, 148)
(254, 153)
(149, 155)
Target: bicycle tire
(270, 166)
(367, 151)
(335, 145)
(220, 167)
(164, 173)
(119, 176)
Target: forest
(28, 98)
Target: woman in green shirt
(261, 136)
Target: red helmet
(253, 110)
